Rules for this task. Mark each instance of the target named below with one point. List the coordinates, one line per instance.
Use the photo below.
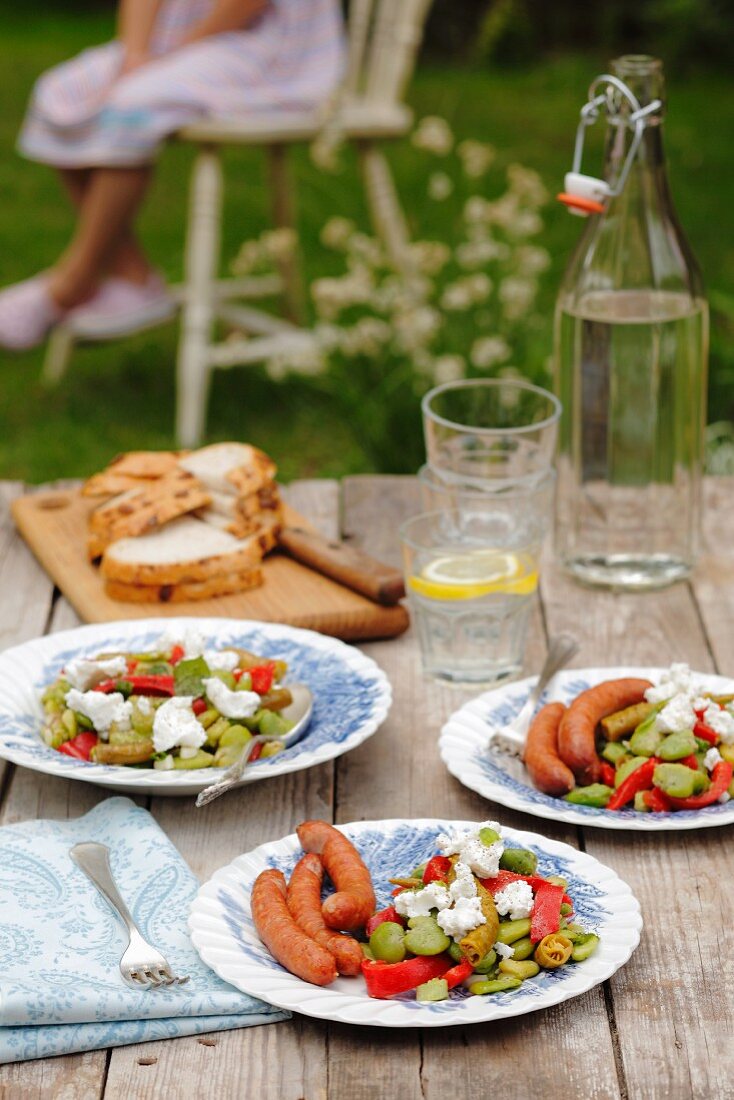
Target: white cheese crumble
(465, 915)
(84, 672)
(101, 709)
(724, 797)
(677, 715)
(721, 722)
(504, 950)
(232, 704)
(175, 724)
(419, 903)
(515, 900)
(674, 681)
(165, 764)
(190, 639)
(482, 859)
(224, 660)
(144, 705)
(711, 759)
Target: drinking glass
(471, 572)
(482, 432)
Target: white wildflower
(457, 297)
(440, 186)
(279, 244)
(517, 296)
(429, 257)
(337, 232)
(488, 350)
(477, 209)
(527, 184)
(448, 368)
(433, 135)
(532, 260)
(476, 157)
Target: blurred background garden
(507, 77)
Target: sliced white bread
(230, 467)
(264, 528)
(141, 509)
(185, 551)
(224, 584)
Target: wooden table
(662, 1027)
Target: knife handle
(345, 564)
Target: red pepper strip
(262, 677)
(504, 878)
(132, 664)
(437, 869)
(386, 979)
(389, 914)
(398, 890)
(657, 801)
(638, 780)
(199, 706)
(80, 746)
(141, 685)
(256, 753)
(177, 654)
(607, 774)
(690, 761)
(720, 780)
(705, 733)
(458, 974)
(546, 915)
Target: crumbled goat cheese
(724, 797)
(504, 950)
(674, 681)
(464, 916)
(232, 704)
(144, 705)
(84, 672)
(190, 639)
(721, 722)
(515, 900)
(176, 724)
(711, 759)
(464, 885)
(482, 859)
(676, 715)
(101, 709)
(418, 903)
(225, 660)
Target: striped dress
(82, 115)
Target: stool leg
(58, 353)
(201, 264)
(387, 214)
(284, 217)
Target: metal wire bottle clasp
(582, 194)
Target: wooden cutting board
(54, 524)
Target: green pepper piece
(676, 780)
(521, 861)
(614, 752)
(596, 794)
(677, 745)
(627, 768)
(436, 989)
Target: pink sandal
(120, 307)
(27, 314)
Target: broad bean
(519, 969)
(521, 861)
(387, 942)
(426, 937)
(511, 930)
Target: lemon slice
(469, 574)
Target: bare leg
(110, 200)
(129, 260)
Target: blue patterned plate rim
(223, 934)
(352, 696)
(463, 739)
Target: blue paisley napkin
(60, 942)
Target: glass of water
(471, 574)
(485, 431)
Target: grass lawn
(120, 396)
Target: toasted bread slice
(224, 584)
(264, 528)
(183, 552)
(230, 467)
(145, 508)
(146, 464)
(108, 484)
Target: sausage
(354, 902)
(281, 935)
(304, 902)
(547, 770)
(577, 731)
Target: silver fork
(141, 965)
(511, 738)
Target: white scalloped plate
(223, 933)
(351, 697)
(502, 778)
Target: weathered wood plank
(672, 1002)
(287, 1060)
(399, 773)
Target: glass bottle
(631, 350)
